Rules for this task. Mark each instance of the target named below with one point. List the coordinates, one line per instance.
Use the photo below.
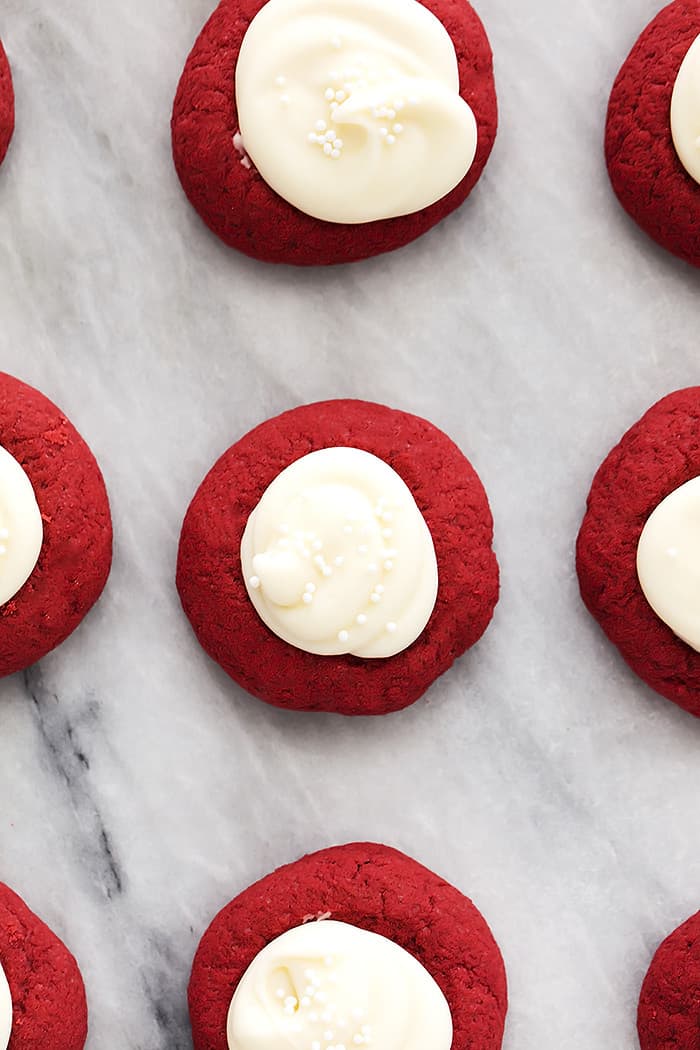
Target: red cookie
(76, 553)
(448, 493)
(48, 997)
(659, 453)
(380, 890)
(646, 173)
(669, 1005)
(7, 104)
(242, 209)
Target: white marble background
(140, 789)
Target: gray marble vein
(140, 789)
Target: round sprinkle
(339, 560)
(280, 81)
(379, 588)
(388, 565)
(291, 1000)
(339, 95)
(254, 582)
(4, 534)
(284, 99)
(327, 148)
(372, 567)
(390, 140)
(383, 132)
(310, 588)
(280, 993)
(334, 106)
(399, 103)
(327, 571)
(338, 143)
(375, 598)
(320, 125)
(361, 619)
(307, 598)
(397, 129)
(335, 153)
(330, 135)
(391, 627)
(342, 637)
(312, 136)
(329, 94)
(358, 1039)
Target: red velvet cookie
(76, 553)
(646, 173)
(656, 456)
(669, 1005)
(448, 493)
(377, 889)
(48, 997)
(235, 202)
(7, 104)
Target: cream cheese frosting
(668, 562)
(332, 986)
(5, 1011)
(350, 109)
(337, 558)
(685, 112)
(21, 527)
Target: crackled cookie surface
(312, 134)
(7, 104)
(431, 956)
(652, 140)
(55, 526)
(669, 1008)
(637, 551)
(317, 587)
(41, 983)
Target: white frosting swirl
(668, 562)
(5, 1011)
(331, 986)
(350, 109)
(337, 558)
(685, 112)
(21, 527)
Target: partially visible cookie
(370, 887)
(645, 168)
(53, 487)
(653, 462)
(7, 104)
(218, 597)
(240, 207)
(46, 992)
(669, 1005)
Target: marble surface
(140, 789)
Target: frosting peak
(350, 109)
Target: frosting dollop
(5, 1011)
(685, 112)
(337, 558)
(668, 562)
(21, 527)
(332, 986)
(350, 109)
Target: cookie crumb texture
(239, 206)
(76, 553)
(448, 493)
(380, 890)
(48, 997)
(659, 453)
(7, 104)
(669, 1007)
(646, 173)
